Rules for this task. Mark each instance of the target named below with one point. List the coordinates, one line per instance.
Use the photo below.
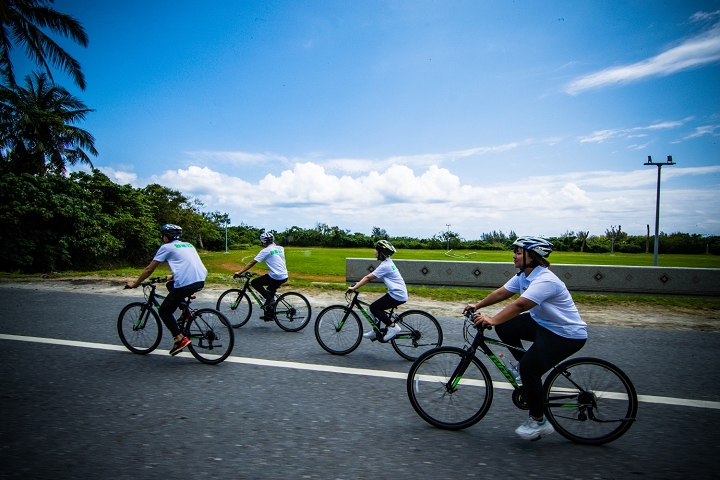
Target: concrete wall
(580, 278)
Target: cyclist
(397, 291)
(274, 257)
(544, 314)
(188, 276)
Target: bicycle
(588, 400)
(140, 330)
(338, 329)
(291, 310)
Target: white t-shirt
(274, 257)
(389, 274)
(184, 262)
(555, 308)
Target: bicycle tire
(236, 306)
(421, 332)
(211, 336)
(338, 330)
(452, 409)
(292, 312)
(139, 328)
(602, 410)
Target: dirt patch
(616, 316)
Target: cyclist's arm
(247, 267)
(367, 278)
(145, 274)
(497, 296)
(520, 305)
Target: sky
(412, 116)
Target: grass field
(324, 268)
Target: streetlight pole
(657, 204)
(448, 236)
(227, 221)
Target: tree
(583, 236)
(22, 21)
(37, 134)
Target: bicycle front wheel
(212, 338)
(338, 330)
(420, 333)
(590, 401)
(139, 328)
(451, 406)
(236, 306)
(292, 312)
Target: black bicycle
(339, 331)
(291, 311)
(588, 400)
(140, 328)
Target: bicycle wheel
(139, 328)
(236, 306)
(211, 335)
(451, 407)
(292, 312)
(420, 332)
(338, 330)
(590, 401)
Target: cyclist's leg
(378, 307)
(548, 350)
(522, 327)
(260, 283)
(171, 303)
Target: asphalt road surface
(76, 404)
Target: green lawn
(324, 268)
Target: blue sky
(535, 117)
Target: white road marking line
(684, 402)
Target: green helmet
(385, 247)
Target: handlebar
(149, 281)
(245, 275)
(469, 317)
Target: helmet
(173, 232)
(385, 247)
(535, 244)
(267, 237)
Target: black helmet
(173, 232)
(385, 247)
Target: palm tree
(37, 134)
(21, 22)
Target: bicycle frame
(480, 342)
(247, 287)
(152, 301)
(360, 304)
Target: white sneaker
(369, 335)
(534, 430)
(391, 333)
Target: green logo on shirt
(274, 252)
(183, 245)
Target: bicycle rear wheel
(338, 330)
(451, 407)
(139, 328)
(236, 306)
(292, 312)
(212, 338)
(590, 401)
(420, 333)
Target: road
(79, 406)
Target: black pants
(548, 349)
(266, 280)
(378, 307)
(172, 302)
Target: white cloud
(602, 135)
(692, 53)
(420, 203)
(704, 130)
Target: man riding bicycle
(274, 257)
(544, 314)
(188, 276)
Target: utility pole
(227, 221)
(448, 236)
(657, 204)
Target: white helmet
(535, 244)
(267, 237)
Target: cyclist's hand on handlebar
(130, 285)
(481, 320)
(469, 307)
